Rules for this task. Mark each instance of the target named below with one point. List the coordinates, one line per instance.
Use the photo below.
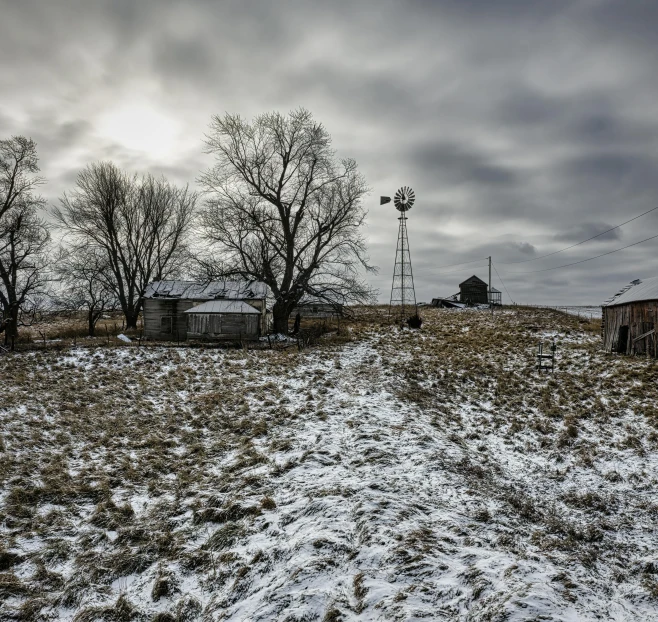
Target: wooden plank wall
(222, 326)
(475, 293)
(157, 308)
(640, 317)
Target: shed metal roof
(211, 290)
(636, 291)
(224, 306)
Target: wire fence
(589, 312)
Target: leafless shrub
(225, 537)
(122, 611)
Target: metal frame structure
(403, 294)
(546, 362)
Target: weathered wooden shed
(166, 303)
(629, 319)
(222, 320)
(317, 309)
(473, 291)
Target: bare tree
(84, 272)
(285, 211)
(24, 236)
(140, 225)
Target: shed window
(166, 324)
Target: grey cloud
(588, 230)
(185, 60)
(522, 126)
(526, 248)
(458, 164)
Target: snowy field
(585, 312)
(386, 475)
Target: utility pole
(490, 295)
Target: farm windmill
(403, 294)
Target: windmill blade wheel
(404, 199)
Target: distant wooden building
(630, 317)
(215, 310)
(473, 291)
(311, 309)
(223, 319)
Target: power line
(450, 265)
(598, 235)
(501, 280)
(653, 237)
(458, 271)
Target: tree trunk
(280, 314)
(11, 328)
(92, 322)
(131, 320)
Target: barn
(166, 304)
(473, 291)
(223, 319)
(317, 309)
(629, 318)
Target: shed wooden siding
(473, 291)
(260, 305)
(222, 325)
(318, 310)
(640, 318)
(157, 308)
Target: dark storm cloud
(526, 249)
(183, 59)
(456, 164)
(589, 230)
(522, 126)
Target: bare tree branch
(24, 237)
(283, 210)
(140, 227)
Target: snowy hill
(391, 475)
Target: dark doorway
(622, 340)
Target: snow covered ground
(394, 475)
(587, 312)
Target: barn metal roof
(212, 290)
(635, 291)
(224, 306)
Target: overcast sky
(523, 126)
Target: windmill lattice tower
(403, 295)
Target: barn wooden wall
(319, 310)
(261, 306)
(222, 325)
(475, 293)
(156, 308)
(640, 317)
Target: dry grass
(157, 462)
